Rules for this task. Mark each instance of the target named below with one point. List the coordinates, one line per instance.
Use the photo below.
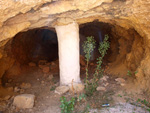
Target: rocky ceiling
(20, 15)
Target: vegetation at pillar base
(90, 86)
(68, 106)
(88, 47)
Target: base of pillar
(76, 88)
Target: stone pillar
(68, 42)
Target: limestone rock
(20, 15)
(120, 80)
(50, 77)
(106, 84)
(122, 84)
(61, 90)
(104, 78)
(100, 88)
(16, 89)
(24, 101)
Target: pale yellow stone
(10, 31)
(24, 101)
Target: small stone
(32, 64)
(120, 80)
(10, 88)
(46, 69)
(100, 88)
(25, 85)
(61, 90)
(42, 82)
(122, 84)
(106, 84)
(24, 101)
(57, 84)
(50, 77)
(77, 88)
(16, 89)
(104, 78)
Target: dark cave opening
(35, 45)
(126, 46)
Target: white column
(68, 42)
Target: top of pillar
(63, 21)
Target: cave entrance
(34, 66)
(34, 55)
(35, 45)
(126, 47)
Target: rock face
(24, 101)
(21, 15)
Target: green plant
(53, 88)
(119, 95)
(146, 103)
(129, 73)
(103, 47)
(81, 97)
(143, 102)
(67, 106)
(88, 47)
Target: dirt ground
(114, 98)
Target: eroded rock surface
(124, 15)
